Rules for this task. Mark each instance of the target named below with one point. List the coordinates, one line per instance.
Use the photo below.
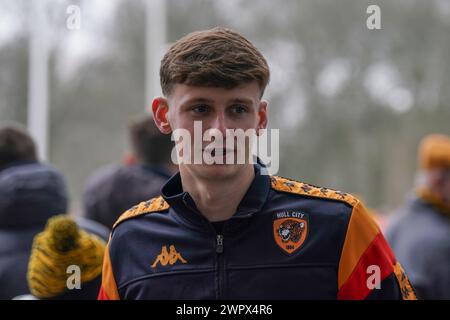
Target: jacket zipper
(220, 265)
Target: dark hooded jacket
(113, 189)
(30, 193)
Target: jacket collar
(184, 206)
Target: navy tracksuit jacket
(287, 240)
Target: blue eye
(238, 109)
(200, 108)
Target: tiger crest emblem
(290, 230)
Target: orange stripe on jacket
(406, 288)
(361, 231)
(108, 290)
(378, 254)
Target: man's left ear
(262, 113)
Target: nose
(219, 123)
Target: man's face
(439, 182)
(219, 109)
(446, 185)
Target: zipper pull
(219, 243)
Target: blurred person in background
(57, 251)
(113, 189)
(420, 234)
(30, 193)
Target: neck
(434, 199)
(218, 199)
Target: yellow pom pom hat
(59, 246)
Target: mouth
(218, 151)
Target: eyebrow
(205, 100)
(210, 101)
(198, 100)
(241, 100)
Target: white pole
(156, 35)
(37, 78)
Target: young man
(229, 231)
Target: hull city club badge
(290, 229)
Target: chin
(217, 171)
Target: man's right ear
(160, 109)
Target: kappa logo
(290, 230)
(168, 257)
